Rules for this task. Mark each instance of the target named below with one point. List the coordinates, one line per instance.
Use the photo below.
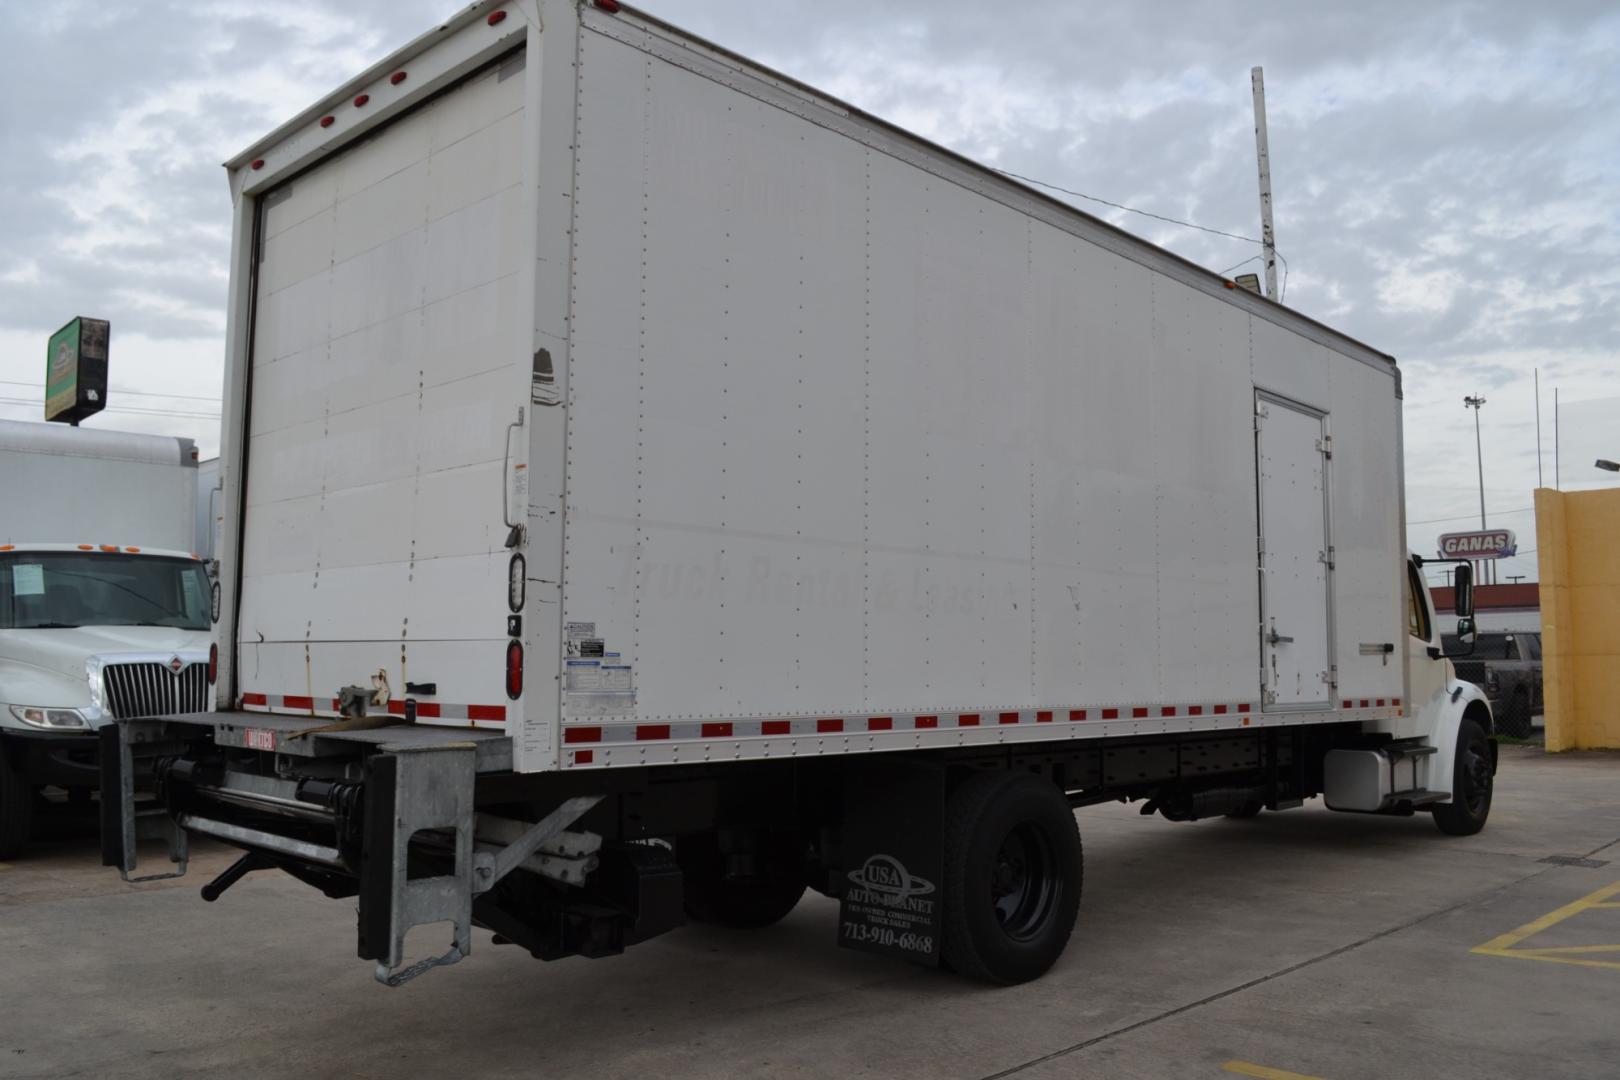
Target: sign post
(76, 371)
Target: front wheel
(16, 809)
(1472, 783)
(1012, 877)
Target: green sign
(76, 370)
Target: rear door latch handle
(1276, 638)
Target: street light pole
(1474, 402)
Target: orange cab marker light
(109, 547)
(136, 551)
(8, 547)
(87, 547)
(196, 556)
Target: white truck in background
(653, 488)
(104, 610)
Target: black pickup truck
(1507, 666)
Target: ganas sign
(1485, 544)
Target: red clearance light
(496, 17)
(328, 121)
(609, 6)
(396, 78)
(514, 670)
(258, 163)
(360, 102)
(213, 664)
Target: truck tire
(761, 899)
(1516, 717)
(16, 809)
(1471, 784)
(1012, 877)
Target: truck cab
(90, 633)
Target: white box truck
(653, 488)
(104, 610)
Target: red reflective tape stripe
(1077, 714)
(1243, 708)
(486, 712)
(880, 723)
(1110, 714)
(396, 706)
(716, 731)
(1220, 710)
(1380, 703)
(967, 719)
(427, 708)
(1139, 712)
(1363, 703)
(1043, 717)
(1195, 710)
(1009, 718)
(297, 702)
(255, 699)
(926, 722)
(1349, 704)
(584, 757)
(1167, 710)
(336, 704)
(776, 727)
(826, 726)
(651, 731)
(582, 734)
(1395, 701)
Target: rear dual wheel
(1012, 877)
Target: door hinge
(1326, 557)
(1325, 445)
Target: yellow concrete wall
(1578, 549)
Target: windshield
(53, 589)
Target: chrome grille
(153, 690)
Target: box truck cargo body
(759, 495)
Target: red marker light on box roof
(496, 17)
(360, 101)
(328, 121)
(258, 163)
(396, 78)
(609, 6)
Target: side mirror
(1466, 632)
(1463, 582)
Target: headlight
(50, 719)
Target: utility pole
(1268, 237)
(1541, 481)
(1474, 403)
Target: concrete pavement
(1302, 943)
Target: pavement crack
(1260, 980)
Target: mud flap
(893, 858)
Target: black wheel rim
(1024, 884)
(1476, 776)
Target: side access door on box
(1296, 555)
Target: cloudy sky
(1447, 176)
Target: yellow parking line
(1246, 1068)
(1505, 944)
